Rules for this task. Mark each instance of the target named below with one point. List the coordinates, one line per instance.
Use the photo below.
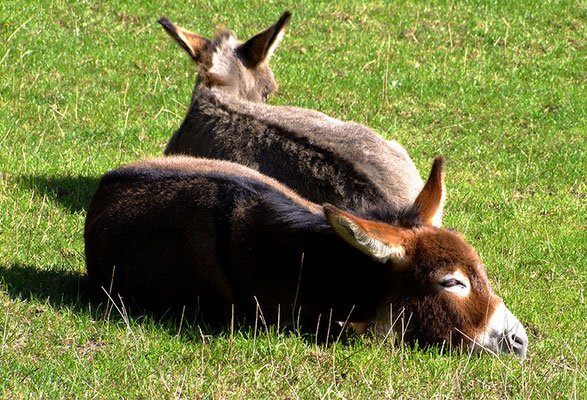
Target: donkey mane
(284, 211)
(404, 217)
(222, 36)
(141, 173)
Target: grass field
(499, 88)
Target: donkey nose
(517, 342)
(505, 334)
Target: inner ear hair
(259, 48)
(430, 201)
(379, 241)
(196, 45)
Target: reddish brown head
(435, 280)
(232, 66)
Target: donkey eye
(456, 283)
(451, 282)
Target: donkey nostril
(517, 340)
(517, 344)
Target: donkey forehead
(440, 251)
(223, 58)
(225, 39)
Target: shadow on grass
(66, 290)
(70, 290)
(73, 192)
(57, 288)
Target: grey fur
(321, 158)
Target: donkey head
(237, 68)
(435, 281)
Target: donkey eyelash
(451, 283)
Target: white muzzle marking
(504, 334)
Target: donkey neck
(355, 281)
(304, 120)
(333, 273)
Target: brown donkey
(221, 238)
(321, 158)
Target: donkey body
(222, 238)
(321, 158)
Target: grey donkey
(322, 158)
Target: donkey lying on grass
(321, 158)
(220, 237)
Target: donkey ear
(260, 47)
(380, 241)
(430, 201)
(196, 45)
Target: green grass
(497, 87)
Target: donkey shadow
(57, 288)
(69, 290)
(72, 192)
(66, 290)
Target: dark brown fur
(210, 235)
